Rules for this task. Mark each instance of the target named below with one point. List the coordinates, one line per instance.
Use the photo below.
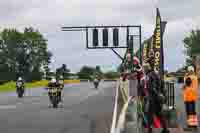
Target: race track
(85, 110)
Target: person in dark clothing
(156, 97)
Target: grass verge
(11, 86)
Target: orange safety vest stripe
(191, 93)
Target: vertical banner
(145, 49)
(151, 40)
(158, 46)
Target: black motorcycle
(96, 83)
(20, 89)
(54, 96)
(61, 87)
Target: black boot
(150, 130)
(165, 130)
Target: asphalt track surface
(85, 110)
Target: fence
(122, 98)
(170, 89)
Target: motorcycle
(96, 83)
(61, 87)
(20, 89)
(54, 96)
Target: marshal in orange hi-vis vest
(191, 93)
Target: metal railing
(170, 89)
(120, 113)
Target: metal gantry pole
(140, 33)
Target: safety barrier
(122, 118)
(170, 112)
(121, 98)
(170, 89)
(120, 113)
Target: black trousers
(190, 108)
(155, 108)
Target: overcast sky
(50, 15)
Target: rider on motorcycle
(20, 87)
(96, 81)
(61, 86)
(19, 82)
(51, 85)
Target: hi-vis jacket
(191, 93)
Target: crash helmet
(53, 80)
(61, 77)
(190, 69)
(19, 79)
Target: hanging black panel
(95, 38)
(116, 37)
(105, 37)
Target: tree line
(86, 72)
(23, 54)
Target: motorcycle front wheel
(20, 93)
(54, 102)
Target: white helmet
(190, 69)
(19, 78)
(53, 80)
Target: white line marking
(7, 106)
(36, 103)
(114, 118)
(18, 103)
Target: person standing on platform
(190, 95)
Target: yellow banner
(157, 45)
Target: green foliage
(64, 71)
(86, 72)
(111, 75)
(98, 69)
(192, 45)
(23, 54)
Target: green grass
(11, 86)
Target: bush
(111, 75)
